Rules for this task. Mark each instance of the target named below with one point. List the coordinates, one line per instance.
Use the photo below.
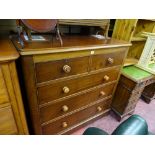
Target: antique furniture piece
(129, 89)
(134, 125)
(147, 59)
(102, 23)
(149, 93)
(12, 117)
(25, 26)
(132, 30)
(70, 85)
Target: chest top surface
(70, 43)
(7, 50)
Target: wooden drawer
(7, 122)
(71, 120)
(4, 98)
(107, 60)
(51, 70)
(63, 88)
(60, 108)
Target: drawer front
(7, 122)
(71, 104)
(74, 119)
(4, 98)
(107, 60)
(51, 70)
(64, 88)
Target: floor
(109, 122)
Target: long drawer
(7, 121)
(66, 106)
(50, 70)
(73, 119)
(62, 88)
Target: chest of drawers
(69, 86)
(12, 115)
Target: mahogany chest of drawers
(71, 85)
(12, 115)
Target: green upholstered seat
(134, 125)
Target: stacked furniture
(71, 85)
(12, 116)
(131, 30)
(102, 23)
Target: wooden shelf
(138, 39)
(130, 61)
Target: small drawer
(61, 89)
(4, 97)
(7, 122)
(107, 60)
(46, 71)
(73, 119)
(60, 108)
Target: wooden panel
(7, 122)
(29, 79)
(56, 69)
(107, 60)
(74, 119)
(124, 29)
(136, 49)
(55, 90)
(57, 109)
(144, 26)
(86, 22)
(4, 98)
(149, 93)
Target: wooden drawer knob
(99, 108)
(65, 108)
(102, 93)
(111, 60)
(66, 68)
(106, 78)
(66, 90)
(64, 124)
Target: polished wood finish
(40, 25)
(7, 121)
(71, 120)
(65, 67)
(54, 109)
(62, 88)
(149, 93)
(12, 115)
(66, 86)
(127, 94)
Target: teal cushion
(94, 131)
(134, 125)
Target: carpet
(109, 122)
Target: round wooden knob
(66, 68)
(102, 93)
(106, 77)
(99, 108)
(65, 90)
(65, 108)
(64, 124)
(111, 60)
